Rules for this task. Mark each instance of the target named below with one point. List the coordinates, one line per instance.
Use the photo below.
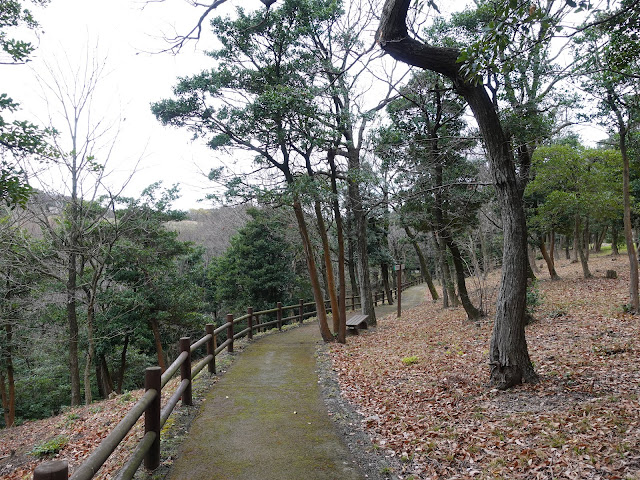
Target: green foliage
(258, 269)
(534, 297)
(17, 138)
(569, 181)
(410, 360)
(50, 447)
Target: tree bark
(583, 259)
(548, 258)
(473, 313)
(614, 241)
(328, 268)
(313, 273)
(155, 328)
(384, 270)
(424, 269)
(342, 283)
(123, 364)
(8, 385)
(449, 294)
(72, 320)
(509, 356)
(532, 259)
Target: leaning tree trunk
(424, 269)
(155, 328)
(473, 313)
(548, 258)
(328, 269)
(509, 355)
(313, 273)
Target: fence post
(250, 322)
(230, 332)
(56, 470)
(279, 315)
(153, 381)
(185, 370)
(211, 347)
(353, 302)
(301, 311)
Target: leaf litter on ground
(439, 416)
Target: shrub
(50, 447)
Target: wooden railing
(148, 449)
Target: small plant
(50, 447)
(534, 297)
(410, 360)
(125, 397)
(385, 470)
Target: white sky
(124, 31)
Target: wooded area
(348, 163)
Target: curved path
(265, 417)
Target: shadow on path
(265, 418)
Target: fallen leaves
(438, 416)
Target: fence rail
(149, 405)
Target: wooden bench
(355, 323)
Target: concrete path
(265, 418)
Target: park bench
(355, 323)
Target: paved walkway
(265, 418)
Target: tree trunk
(123, 364)
(353, 276)
(360, 224)
(548, 258)
(424, 269)
(384, 270)
(155, 328)
(614, 240)
(600, 240)
(328, 268)
(449, 294)
(532, 260)
(342, 284)
(583, 259)
(8, 385)
(72, 319)
(473, 313)
(313, 273)
(576, 236)
(103, 377)
(90, 350)
(509, 356)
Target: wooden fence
(155, 416)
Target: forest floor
(420, 384)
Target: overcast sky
(125, 31)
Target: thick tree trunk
(548, 258)
(90, 350)
(424, 269)
(313, 273)
(509, 356)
